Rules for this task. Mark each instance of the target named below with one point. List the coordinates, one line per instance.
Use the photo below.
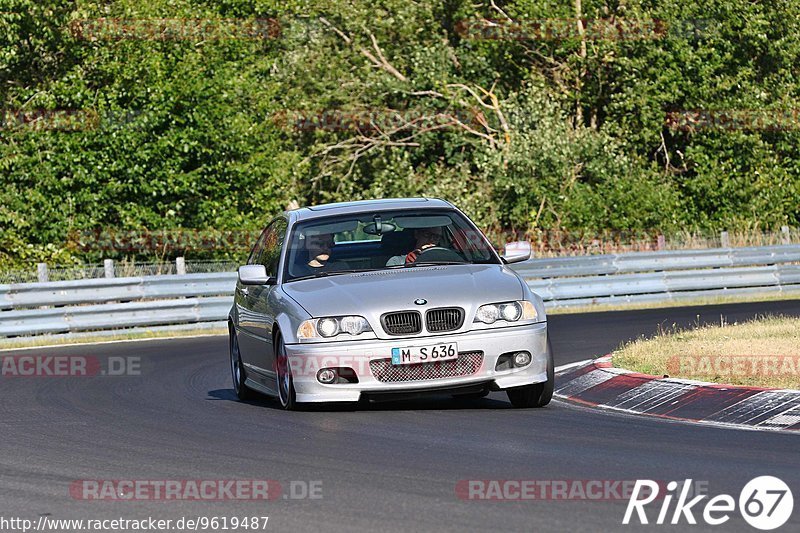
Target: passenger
(319, 249)
(425, 238)
(315, 255)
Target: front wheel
(283, 373)
(538, 394)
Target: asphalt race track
(390, 467)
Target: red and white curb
(598, 384)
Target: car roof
(361, 206)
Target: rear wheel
(283, 373)
(538, 394)
(237, 370)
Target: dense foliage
(169, 114)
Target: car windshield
(384, 240)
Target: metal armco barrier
(660, 276)
(655, 261)
(113, 303)
(88, 291)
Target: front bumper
(306, 360)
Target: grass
(764, 352)
(122, 335)
(687, 302)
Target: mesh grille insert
(468, 363)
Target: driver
(425, 238)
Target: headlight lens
(325, 328)
(328, 327)
(353, 325)
(511, 312)
(488, 314)
(507, 311)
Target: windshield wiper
(434, 263)
(326, 273)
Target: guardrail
(660, 276)
(653, 261)
(113, 303)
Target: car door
(247, 321)
(261, 310)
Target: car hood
(370, 294)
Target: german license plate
(424, 354)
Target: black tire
(238, 374)
(283, 376)
(538, 394)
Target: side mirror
(516, 258)
(254, 275)
(517, 252)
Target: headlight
(328, 327)
(511, 312)
(507, 311)
(325, 328)
(488, 314)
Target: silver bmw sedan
(377, 299)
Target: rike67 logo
(765, 503)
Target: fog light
(326, 376)
(522, 359)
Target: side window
(273, 241)
(256, 251)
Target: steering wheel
(438, 253)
